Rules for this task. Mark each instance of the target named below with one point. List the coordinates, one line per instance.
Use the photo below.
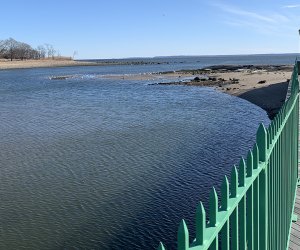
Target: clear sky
(141, 28)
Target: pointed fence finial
(183, 236)
(261, 138)
(200, 224)
(234, 182)
(249, 164)
(161, 246)
(213, 208)
(242, 172)
(225, 194)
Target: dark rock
(234, 80)
(262, 82)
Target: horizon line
(153, 57)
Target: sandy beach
(18, 64)
(264, 86)
(49, 63)
(264, 89)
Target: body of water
(158, 64)
(95, 163)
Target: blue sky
(141, 28)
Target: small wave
(65, 77)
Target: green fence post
(242, 206)
(234, 215)
(255, 200)
(225, 201)
(250, 224)
(213, 211)
(213, 208)
(261, 138)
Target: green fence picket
(200, 223)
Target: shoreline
(6, 64)
(43, 63)
(263, 85)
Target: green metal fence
(257, 203)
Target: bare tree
(50, 50)
(58, 53)
(32, 54)
(75, 53)
(12, 49)
(41, 51)
(22, 51)
(11, 45)
(47, 47)
(2, 47)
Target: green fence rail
(257, 203)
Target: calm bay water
(95, 163)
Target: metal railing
(257, 203)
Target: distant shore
(43, 63)
(49, 63)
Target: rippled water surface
(89, 163)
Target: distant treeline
(12, 49)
